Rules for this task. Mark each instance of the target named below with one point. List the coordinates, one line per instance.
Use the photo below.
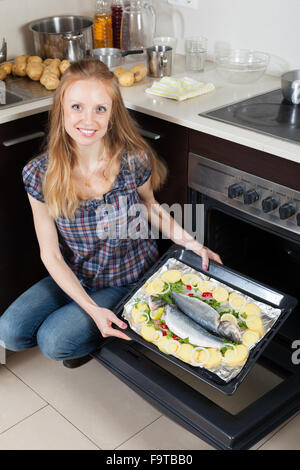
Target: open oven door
(188, 407)
(194, 411)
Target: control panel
(266, 200)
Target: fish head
(231, 331)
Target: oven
(262, 244)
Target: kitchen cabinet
(20, 266)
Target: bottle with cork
(103, 36)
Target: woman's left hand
(205, 253)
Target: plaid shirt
(103, 245)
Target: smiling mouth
(86, 132)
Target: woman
(82, 194)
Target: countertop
(185, 113)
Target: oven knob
(287, 210)
(235, 190)
(270, 203)
(251, 196)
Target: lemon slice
(236, 301)
(140, 307)
(156, 314)
(220, 294)
(251, 310)
(229, 317)
(141, 318)
(191, 279)
(156, 287)
(157, 335)
(250, 337)
(236, 357)
(172, 276)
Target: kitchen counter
(185, 113)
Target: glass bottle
(116, 13)
(103, 25)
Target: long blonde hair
(122, 135)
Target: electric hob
(268, 113)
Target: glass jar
(103, 25)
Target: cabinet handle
(148, 134)
(24, 138)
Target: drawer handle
(24, 138)
(149, 134)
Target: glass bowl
(241, 65)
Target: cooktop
(268, 113)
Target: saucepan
(112, 56)
(290, 86)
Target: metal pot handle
(296, 92)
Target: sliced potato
(237, 356)
(250, 337)
(172, 276)
(255, 324)
(220, 294)
(173, 346)
(140, 307)
(210, 358)
(155, 287)
(147, 332)
(185, 352)
(251, 310)
(162, 344)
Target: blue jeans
(45, 316)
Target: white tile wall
(268, 25)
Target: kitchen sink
(7, 99)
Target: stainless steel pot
(111, 56)
(290, 86)
(63, 37)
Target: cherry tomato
(163, 326)
(164, 333)
(207, 294)
(191, 295)
(189, 287)
(175, 337)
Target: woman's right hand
(104, 319)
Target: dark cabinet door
(170, 141)
(20, 265)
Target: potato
(49, 80)
(57, 62)
(3, 74)
(21, 58)
(48, 62)
(162, 344)
(220, 294)
(52, 68)
(35, 70)
(19, 69)
(63, 66)
(7, 66)
(34, 58)
(139, 71)
(185, 352)
(250, 338)
(147, 332)
(251, 310)
(118, 71)
(126, 79)
(209, 358)
(237, 356)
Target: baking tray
(236, 281)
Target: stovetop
(268, 113)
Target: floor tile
(90, 397)
(286, 438)
(164, 434)
(17, 401)
(45, 430)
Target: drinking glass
(195, 53)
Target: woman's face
(87, 110)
